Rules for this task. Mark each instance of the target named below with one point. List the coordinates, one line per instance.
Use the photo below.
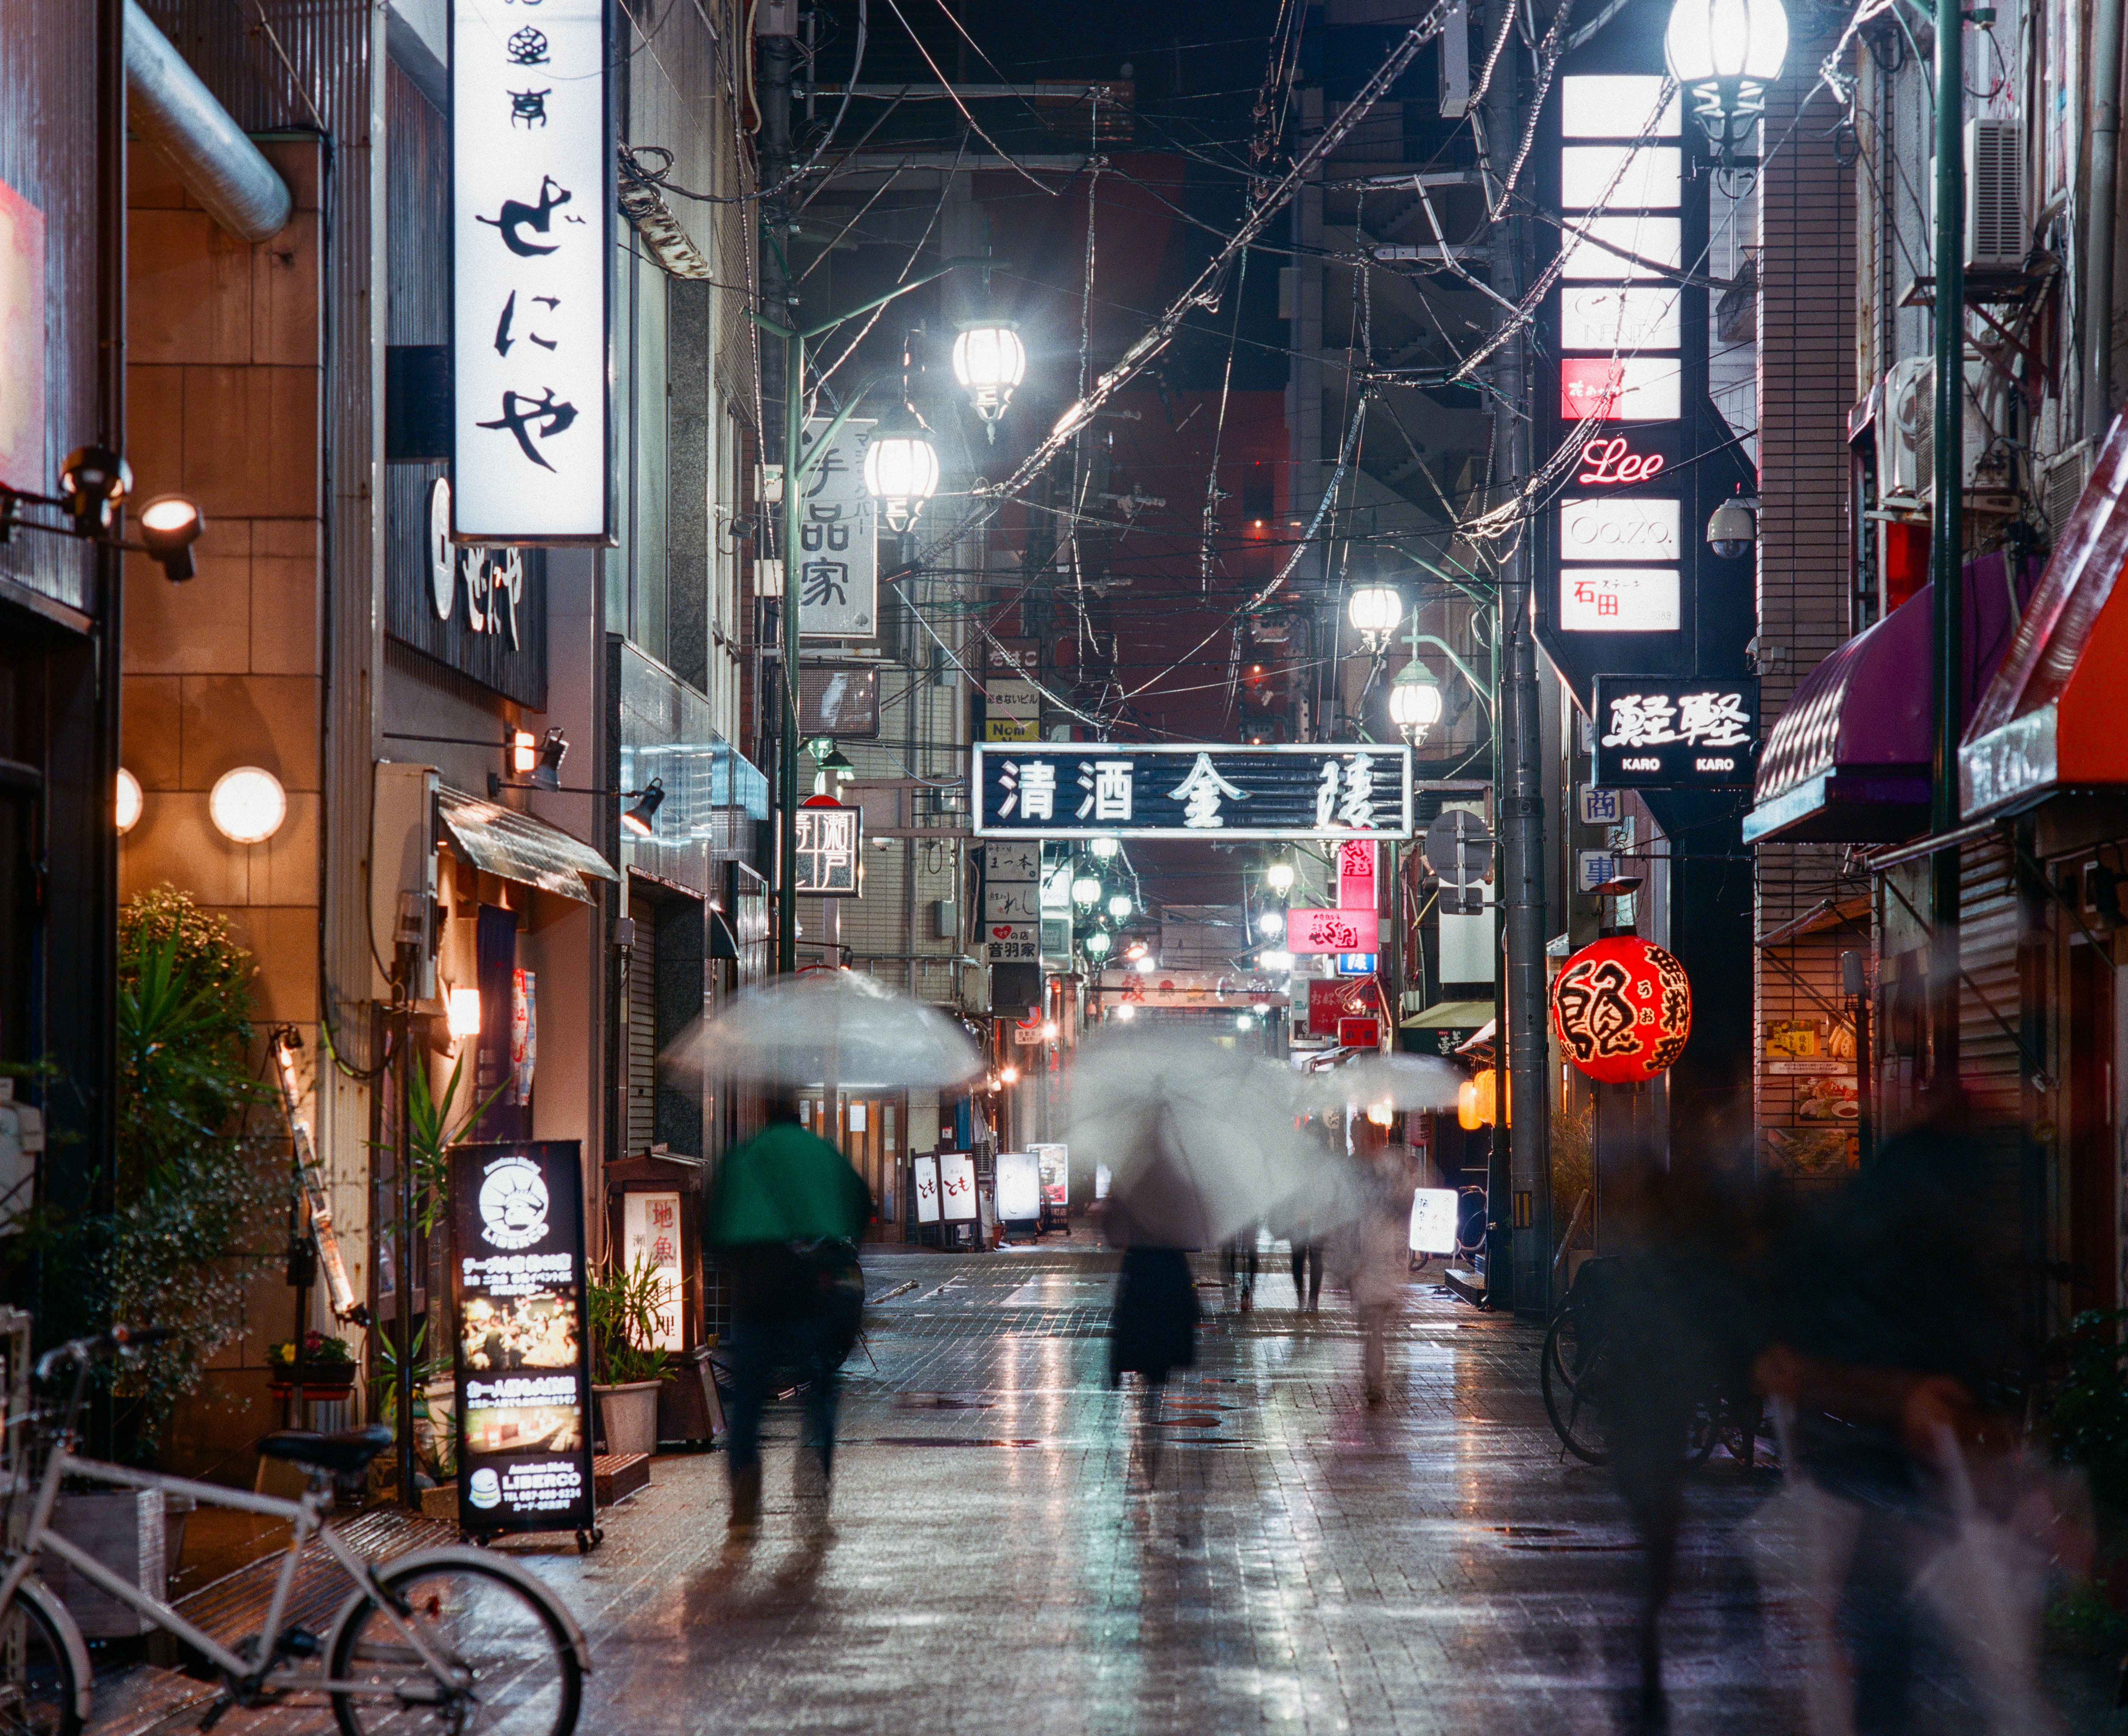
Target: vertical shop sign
(838, 539)
(520, 1352)
(924, 1183)
(24, 308)
(650, 1237)
(957, 1187)
(531, 213)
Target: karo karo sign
(1623, 1008)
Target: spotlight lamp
(1725, 53)
(524, 753)
(1733, 528)
(169, 525)
(989, 361)
(1374, 611)
(93, 484)
(901, 472)
(640, 819)
(554, 749)
(1415, 701)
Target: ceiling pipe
(176, 113)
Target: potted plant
(328, 1368)
(627, 1367)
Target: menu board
(957, 1187)
(521, 1354)
(1055, 1160)
(1019, 1187)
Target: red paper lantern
(1623, 1008)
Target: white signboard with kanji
(828, 838)
(838, 556)
(924, 1184)
(957, 1187)
(531, 203)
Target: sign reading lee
(1661, 733)
(531, 203)
(521, 1354)
(1091, 789)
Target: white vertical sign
(530, 202)
(838, 539)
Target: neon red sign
(1612, 461)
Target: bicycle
(444, 1638)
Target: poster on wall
(521, 1354)
(957, 1187)
(531, 214)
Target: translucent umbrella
(1199, 1141)
(1401, 1081)
(838, 1025)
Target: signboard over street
(1088, 790)
(1661, 733)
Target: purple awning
(1848, 761)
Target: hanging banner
(521, 1354)
(532, 203)
(1096, 789)
(838, 539)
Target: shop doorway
(868, 1132)
(2094, 1236)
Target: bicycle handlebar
(79, 1352)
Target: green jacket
(786, 1185)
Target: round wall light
(247, 806)
(129, 801)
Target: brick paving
(1304, 1565)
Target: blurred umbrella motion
(830, 1025)
(1402, 1082)
(1200, 1141)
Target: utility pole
(1519, 1215)
(1946, 537)
(775, 27)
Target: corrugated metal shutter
(643, 1034)
(1991, 1065)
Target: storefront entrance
(869, 1132)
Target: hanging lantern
(989, 361)
(1623, 1009)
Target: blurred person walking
(1153, 1333)
(1306, 1274)
(785, 1217)
(1372, 1258)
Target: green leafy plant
(435, 1448)
(2084, 1411)
(624, 1303)
(431, 1134)
(320, 1352)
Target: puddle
(943, 1401)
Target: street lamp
(901, 472)
(1415, 702)
(1119, 906)
(1278, 877)
(1103, 848)
(1374, 611)
(1097, 944)
(1272, 924)
(1086, 891)
(1725, 53)
(989, 361)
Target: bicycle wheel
(1569, 1372)
(37, 1683)
(518, 1671)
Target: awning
(518, 848)
(2052, 715)
(1450, 1016)
(1848, 760)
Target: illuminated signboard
(1631, 388)
(838, 539)
(827, 853)
(1617, 528)
(532, 200)
(1331, 931)
(1609, 316)
(1018, 1187)
(1618, 599)
(1660, 733)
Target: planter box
(628, 1417)
(124, 1530)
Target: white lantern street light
(1374, 611)
(1103, 848)
(1272, 924)
(247, 806)
(1278, 877)
(1415, 701)
(1119, 906)
(989, 361)
(1086, 891)
(901, 471)
(1275, 959)
(1725, 53)
(1097, 944)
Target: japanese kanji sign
(838, 555)
(1088, 789)
(1331, 931)
(827, 853)
(1658, 733)
(531, 204)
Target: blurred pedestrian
(1307, 1274)
(785, 1216)
(1153, 1333)
(1237, 1268)
(1372, 1256)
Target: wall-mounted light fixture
(638, 819)
(461, 1013)
(129, 801)
(247, 806)
(169, 525)
(94, 484)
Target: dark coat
(1155, 1327)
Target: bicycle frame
(256, 1672)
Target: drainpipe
(173, 111)
(2104, 174)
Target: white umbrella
(1200, 1140)
(830, 1025)
(1408, 1082)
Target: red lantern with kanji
(1623, 1009)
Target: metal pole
(782, 383)
(786, 759)
(409, 1493)
(1946, 537)
(2105, 176)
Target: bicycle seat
(345, 1450)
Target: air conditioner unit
(1995, 229)
(1905, 426)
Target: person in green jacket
(778, 1198)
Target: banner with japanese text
(1092, 789)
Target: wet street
(1304, 1562)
